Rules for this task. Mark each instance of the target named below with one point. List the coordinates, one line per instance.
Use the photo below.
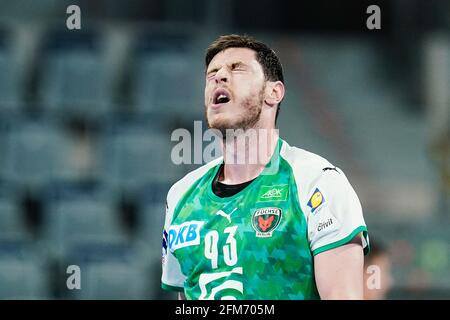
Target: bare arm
(339, 272)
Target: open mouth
(221, 96)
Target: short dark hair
(267, 58)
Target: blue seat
(22, 280)
(133, 157)
(66, 191)
(75, 221)
(12, 224)
(150, 231)
(114, 281)
(151, 202)
(151, 225)
(40, 151)
(23, 272)
(154, 193)
(76, 79)
(167, 81)
(3, 149)
(10, 84)
(110, 271)
(33, 151)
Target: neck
(246, 154)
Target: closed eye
(211, 73)
(238, 66)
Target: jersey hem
(171, 288)
(341, 242)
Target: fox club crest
(265, 221)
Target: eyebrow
(212, 70)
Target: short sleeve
(172, 277)
(335, 213)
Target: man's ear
(274, 92)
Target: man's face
(234, 91)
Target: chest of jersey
(243, 246)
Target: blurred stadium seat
(111, 271)
(110, 280)
(74, 77)
(10, 86)
(157, 76)
(151, 203)
(12, 224)
(3, 148)
(161, 65)
(154, 192)
(39, 150)
(23, 272)
(135, 155)
(152, 222)
(69, 222)
(32, 152)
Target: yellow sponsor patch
(316, 200)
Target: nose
(221, 75)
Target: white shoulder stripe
(181, 186)
(306, 168)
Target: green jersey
(259, 243)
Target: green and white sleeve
(334, 213)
